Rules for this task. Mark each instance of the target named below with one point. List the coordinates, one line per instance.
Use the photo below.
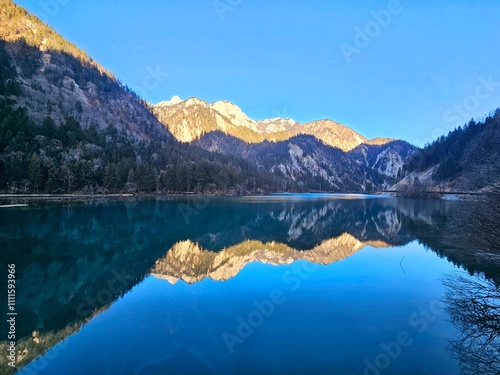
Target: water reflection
(74, 261)
(474, 306)
(189, 262)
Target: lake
(283, 284)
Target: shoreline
(28, 200)
(174, 195)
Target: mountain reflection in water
(66, 256)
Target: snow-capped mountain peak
(194, 101)
(191, 119)
(233, 113)
(175, 100)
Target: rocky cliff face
(55, 78)
(306, 161)
(387, 159)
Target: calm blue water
(295, 286)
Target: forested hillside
(67, 125)
(467, 159)
(302, 163)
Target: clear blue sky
(283, 58)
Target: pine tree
(111, 178)
(53, 179)
(36, 173)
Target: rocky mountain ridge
(320, 155)
(188, 120)
(69, 126)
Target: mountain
(465, 160)
(53, 77)
(388, 159)
(302, 160)
(189, 120)
(67, 125)
(320, 155)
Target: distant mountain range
(331, 155)
(189, 120)
(67, 125)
